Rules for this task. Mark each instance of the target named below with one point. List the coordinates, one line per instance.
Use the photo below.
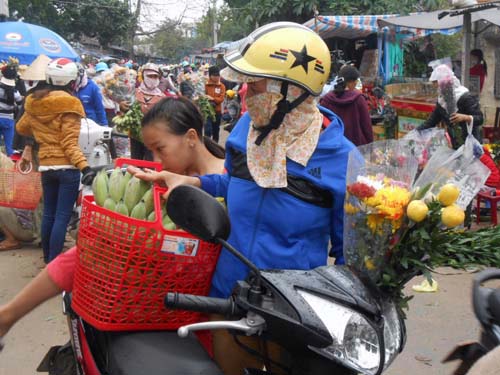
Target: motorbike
(326, 319)
(93, 141)
(486, 304)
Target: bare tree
(147, 10)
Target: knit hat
(9, 75)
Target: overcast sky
(155, 12)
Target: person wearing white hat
(52, 115)
(33, 79)
(9, 98)
(35, 72)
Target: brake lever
(249, 325)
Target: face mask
(474, 61)
(262, 106)
(151, 83)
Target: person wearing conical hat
(35, 72)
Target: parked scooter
(325, 319)
(93, 143)
(486, 303)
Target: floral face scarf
(295, 139)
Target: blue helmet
(101, 67)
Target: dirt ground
(31, 338)
(436, 322)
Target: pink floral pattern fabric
(295, 139)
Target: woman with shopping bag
(53, 116)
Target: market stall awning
(26, 41)
(422, 24)
(349, 27)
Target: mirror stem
(257, 282)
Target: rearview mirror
(198, 212)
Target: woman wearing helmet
(90, 95)
(147, 94)
(52, 116)
(286, 161)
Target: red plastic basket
(126, 266)
(20, 189)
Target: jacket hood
(48, 105)
(349, 96)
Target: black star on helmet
(302, 58)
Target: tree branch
(165, 27)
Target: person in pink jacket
(172, 130)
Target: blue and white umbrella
(26, 41)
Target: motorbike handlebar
(207, 305)
(481, 294)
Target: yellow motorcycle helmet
(284, 51)
(230, 94)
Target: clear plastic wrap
(118, 84)
(449, 166)
(380, 186)
(379, 180)
(425, 143)
(472, 149)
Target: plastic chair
(493, 199)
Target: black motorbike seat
(494, 306)
(155, 353)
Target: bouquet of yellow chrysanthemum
(379, 181)
(118, 83)
(393, 220)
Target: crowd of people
(40, 111)
(285, 153)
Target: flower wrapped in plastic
(447, 90)
(394, 227)
(118, 83)
(447, 84)
(379, 180)
(424, 143)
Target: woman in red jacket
(478, 66)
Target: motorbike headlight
(356, 343)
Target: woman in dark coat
(351, 106)
(456, 107)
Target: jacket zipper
(256, 224)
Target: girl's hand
(164, 178)
(145, 174)
(459, 117)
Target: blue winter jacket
(91, 98)
(273, 228)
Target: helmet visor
(232, 75)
